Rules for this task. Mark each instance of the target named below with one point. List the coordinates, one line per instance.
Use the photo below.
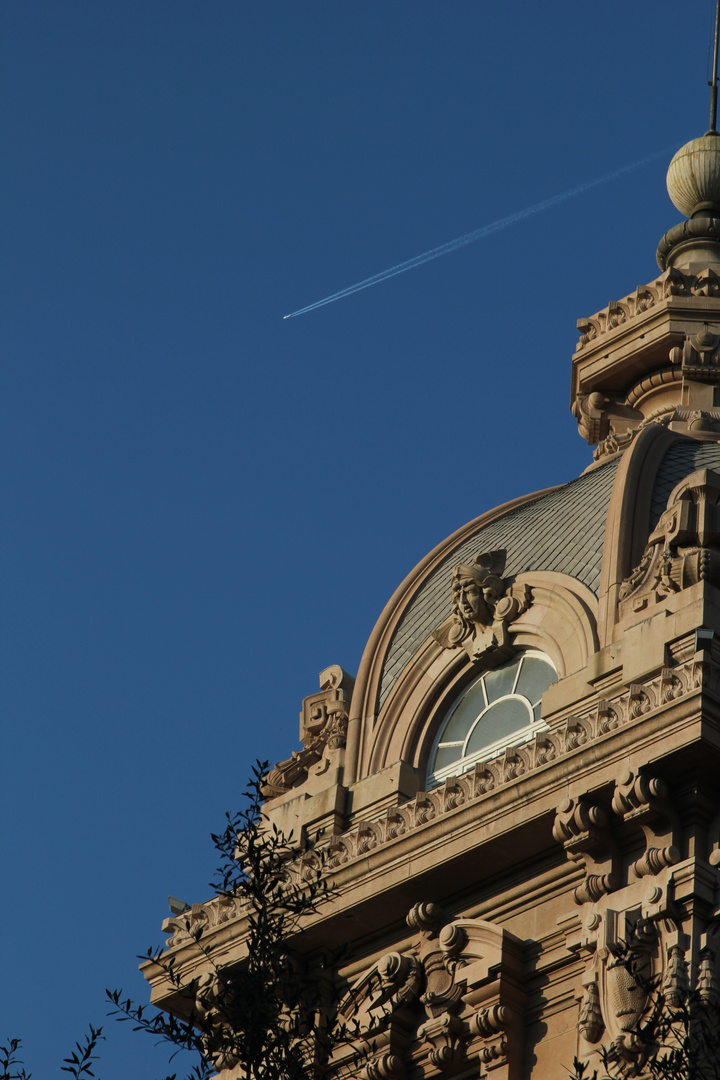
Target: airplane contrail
(479, 234)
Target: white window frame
(463, 764)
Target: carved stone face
(469, 601)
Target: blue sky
(204, 505)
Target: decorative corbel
(442, 994)
(644, 800)
(378, 1010)
(599, 417)
(582, 828)
(493, 1025)
(473, 991)
(490, 967)
(384, 1067)
(698, 356)
(444, 1033)
(391, 985)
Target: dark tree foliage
(678, 1038)
(78, 1064)
(11, 1064)
(272, 1014)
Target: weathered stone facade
(482, 913)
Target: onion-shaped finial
(693, 178)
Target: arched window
(500, 708)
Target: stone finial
(693, 178)
(693, 183)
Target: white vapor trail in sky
(479, 234)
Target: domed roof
(533, 540)
(562, 530)
(680, 461)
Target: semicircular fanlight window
(500, 708)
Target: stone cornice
(649, 704)
(671, 283)
(587, 725)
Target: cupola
(653, 357)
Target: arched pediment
(558, 531)
(558, 620)
(453, 994)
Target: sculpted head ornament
(480, 608)
(475, 591)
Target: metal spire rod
(713, 84)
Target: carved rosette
(483, 608)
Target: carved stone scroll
(583, 830)
(494, 1026)
(323, 726)
(683, 549)
(644, 800)
(699, 356)
(601, 418)
(482, 609)
(384, 1067)
(444, 1034)
(466, 977)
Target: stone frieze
(672, 282)
(591, 723)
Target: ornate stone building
(527, 765)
